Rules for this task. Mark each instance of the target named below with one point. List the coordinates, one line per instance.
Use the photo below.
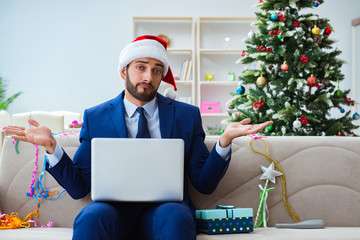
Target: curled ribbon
(264, 209)
(37, 191)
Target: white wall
(63, 54)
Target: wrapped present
(224, 219)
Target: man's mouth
(145, 85)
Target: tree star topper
(270, 173)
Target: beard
(146, 96)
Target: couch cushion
(15, 180)
(321, 179)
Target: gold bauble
(315, 30)
(261, 81)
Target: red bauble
(312, 81)
(328, 31)
(284, 67)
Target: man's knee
(99, 220)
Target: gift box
(210, 107)
(224, 220)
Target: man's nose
(148, 75)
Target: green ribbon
(263, 207)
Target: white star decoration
(270, 173)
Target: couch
(322, 182)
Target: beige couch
(322, 177)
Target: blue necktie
(143, 130)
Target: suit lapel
(116, 111)
(166, 116)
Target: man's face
(142, 79)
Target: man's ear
(123, 73)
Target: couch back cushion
(15, 181)
(322, 176)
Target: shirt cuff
(223, 152)
(54, 158)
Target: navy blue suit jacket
(177, 120)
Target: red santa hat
(148, 46)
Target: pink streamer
(253, 136)
(35, 170)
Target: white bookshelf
(219, 44)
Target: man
(143, 64)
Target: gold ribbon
(288, 208)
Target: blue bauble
(274, 16)
(316, 4)
(356, 116)
(342, 110)
(240, 90)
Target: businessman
(143, 64)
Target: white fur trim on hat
(141, 49)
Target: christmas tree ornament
(281, 17)
(304, 120)
(258, 104)
(315, 30)
(356, 116)
(284, 66)
(304, 59)
(270, 128)
(312, 81)
(269, 174)
(274, 16)
(348, 100)
(261, 81)
(251, 34)
(230, 107)
(338, 93)
(316, 3)
(317, 39)
(297, 123)
(328, 31)
(342, 110)
(209, 76)
(240, 90)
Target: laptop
(137, 169)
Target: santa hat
(147, 46)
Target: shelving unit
(181, 32)
(219, 44)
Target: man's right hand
(38, 134)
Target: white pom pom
(170, 93)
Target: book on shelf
(188, 70)
(185, 70)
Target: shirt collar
(149, 108)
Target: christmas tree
(297, 83)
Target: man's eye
(158, 71)
(140, 67)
